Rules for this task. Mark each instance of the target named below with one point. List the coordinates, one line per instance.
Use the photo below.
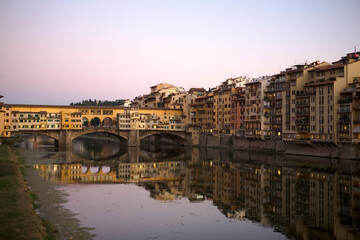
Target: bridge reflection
(296, 199)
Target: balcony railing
(302, 113)
(302, 103)
(302, 121)
(277, 122)
(348, 90)
(344, 110)
(345, 101)
(303, 129)
(304, 94)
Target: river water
(173, 192)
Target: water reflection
(306, 198)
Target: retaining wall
(343, 151)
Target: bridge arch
(177, 137)
(84, 169)
(85, 122)
(107, 122)
(51, 134)
(94, 169)
(95, 122)
(106, 169)
(78, 133)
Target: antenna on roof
(355, 54)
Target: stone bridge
(131, 137)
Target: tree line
(95, 102)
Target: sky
(57, 52)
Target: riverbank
(17, 213)
(51, 198)
(302, 148)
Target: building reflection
(296, 199)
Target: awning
(356, 130)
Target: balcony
(268, 98)
(345, 101)
(344, 120)
(348, 90)
(302, 121)
(269, 90)
(302, 113)
(302, 103)
(303, 129)
(276, 122)
(345, 110)
(304, 94)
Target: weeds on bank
(9, 187)
(50, 229)
(17, 221)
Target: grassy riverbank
(17, 214)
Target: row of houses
(13, 121)
(315, 101)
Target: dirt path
(50, 200)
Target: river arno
(170, 192)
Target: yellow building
(202, 113)
(2, 120)
(16, 117)
(324, 100)
(156, 119)
(256, 123)
(222, 108)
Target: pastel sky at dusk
(57, 52)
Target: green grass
(17, 217)
(50, 230)
(9, 184)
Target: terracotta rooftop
(325, 68)
(196, 89)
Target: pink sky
(57, 52)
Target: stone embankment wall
(344, 151)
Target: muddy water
(99, 189)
